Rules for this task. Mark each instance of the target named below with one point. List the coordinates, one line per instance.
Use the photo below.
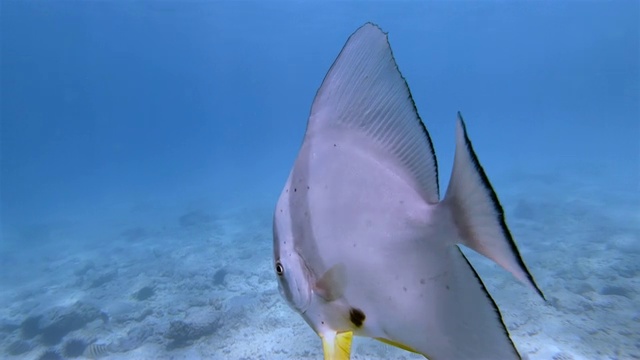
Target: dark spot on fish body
(423, 281)
(357, 317)
(295, 189)
(404, 288)
(447, 287)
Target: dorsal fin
(365, 92)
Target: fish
(364, 245)
(96, 351)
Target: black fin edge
(415, 108)
(493, 303)
(497, 206)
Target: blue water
(144, 144)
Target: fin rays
(372, 207)
(365, 92)
(477, 211)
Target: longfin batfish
(363, 244)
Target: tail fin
(477, 213)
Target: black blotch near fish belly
(357, 317)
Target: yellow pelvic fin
(398, 345)
(337, 346)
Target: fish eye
(279, 268)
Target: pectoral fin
(331, 285)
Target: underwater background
(143, 146)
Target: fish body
(363, 244)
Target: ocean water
(143, 146)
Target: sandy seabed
(202, 286)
